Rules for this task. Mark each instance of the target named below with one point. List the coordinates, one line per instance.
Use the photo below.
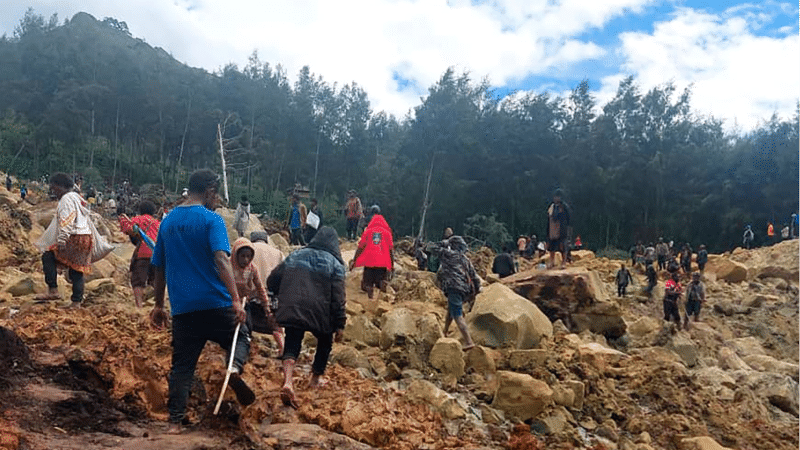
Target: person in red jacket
(142, 274)
(374, 253)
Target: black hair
(313, 200)
(61, 179)
(244, 199)
(202, 179)
(147, 207)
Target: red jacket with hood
(376, 244)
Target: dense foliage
(85, 96)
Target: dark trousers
(296, 237)
(662, 262)
(352, 228)
(621, 289)
(190, 332)
(309, 233)
(49, 265)
(671, 311)
(294, 341)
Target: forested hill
(86, 96)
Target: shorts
(555, 245)
(671, 311)
(693, 307)
(455, 304)
(142, 273)
(373, 277)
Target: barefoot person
(142, 273)
(458, 280)
(310, 287)
(191, 259)
(68, 240)
(250, 285)
(558, 214)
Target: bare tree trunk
(116, 149)
(427, 195)
(183, 142)
(222, 156)
(316, 164)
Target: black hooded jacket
(310, 286)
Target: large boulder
(726, 269)
(685, 348)
(227, 214)
(502, 318)
(576, 296)
(521, 395)
(765, 363)
(421, 391)
(280, 242)
(398, 327)
(779, 390)
(447, 356)
(22, 285)
(700, 443)
(360, 329)
(302, 435)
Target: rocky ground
(562, 363)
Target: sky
(741, 59)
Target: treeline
(86, 96)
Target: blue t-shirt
(187, 240)
(294, 222)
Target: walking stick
(230, 365)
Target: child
(249, 284)
(695, 296)
(623, 277)
(672, 292)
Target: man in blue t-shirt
(192, 260)
(297, 221)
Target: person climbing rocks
(702, 258)
(747, 238)
(686, 259)
(354, 211)
(662, 250)
(652, 279)
(458, 281)
(419, 255)
(375, 253)
(250, 285)
(142, 273)
(672, 294)
(695, 296)
(623, 277)
(649, 254)
(503, 264)
(192, 260)
(296, 221)
(558, 217)
(313, 220)
(23, 191)
(310, 285)
(241, 218)
(68, 240)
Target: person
(241, 218)
(192, 261)
(250, 284)
(672, 292)
(374, 253)
(649, 254)
(503, 264)
(522, 242)
(354, 212)
(673, 266)
(578, 243)
(310, 284)
(420, 255)
(747, 238)
(793, 228)
(695, 296)
(640, 250)
(267, 257)
(785, 232)
(770, 233)
(71, 243)
(662, 250)
(558, 216)
(111, 205)
(313, 220)
(447, 233)
(8, 183)
(296, 221)
(623, 277)
(633, 255)
(652, 279)
(530, 247)
(458, 281)
(23, 191)
(702, 258)
(142, 274)
(686, 259)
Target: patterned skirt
(77, 253)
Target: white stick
(230, 367)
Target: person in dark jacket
(702, 258)
(503, 264)
(558, 214)
(652, 279)
(458, 280)
(310, 286)
(623, 278)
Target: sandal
(287, 397)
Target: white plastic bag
(312, 220)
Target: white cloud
(737, 75)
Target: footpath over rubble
(602, 372)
